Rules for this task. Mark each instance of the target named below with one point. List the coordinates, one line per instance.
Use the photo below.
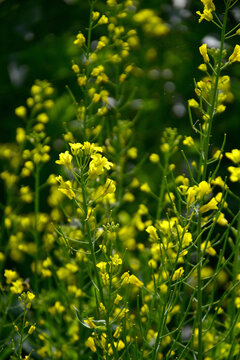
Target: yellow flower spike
(234, 156)
(65, 159)
(235, 55)
(203, 52)
(211, 205)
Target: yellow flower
(135, 281)
(90, 343)
(237, 302)
(117, 299)
(97, 165)
(193, 103)
(188, 141)
(206, 15)
(76, 68)
(219, 181)
(20, 135)
(145, 187)
(208, 4)
(10, 275)
(17, 287)
(31, 329)
(66, 187)
(95, 15)
(154, 158)
(235, 173)
(109, 187)
(30, 296)
(103, 20)
(116, 260)
(43, 118)
(178, 273)
(21, 111)
(191, 194)
(211, 205)
(203, 52)
(235, 55)
(76, 148)
(202, 67)
(207, 247)
(234, 155)
(132, 152)
(82, 80)
(203, 189)
(65, 159)
(80, 40)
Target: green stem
(199, 293)
(36, 215)
(85, 208)
(21, 334)
(162, 187)
(214, 96)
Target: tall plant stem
(214, 96)
(36, 215)
(199, 293)
(90, 241)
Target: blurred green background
(36, 42)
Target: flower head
(203, 52)
(65, 159)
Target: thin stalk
(214, 96)
(162, 187)
(199, 293)
(36, 215)
(90, 242)
(21, 334)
